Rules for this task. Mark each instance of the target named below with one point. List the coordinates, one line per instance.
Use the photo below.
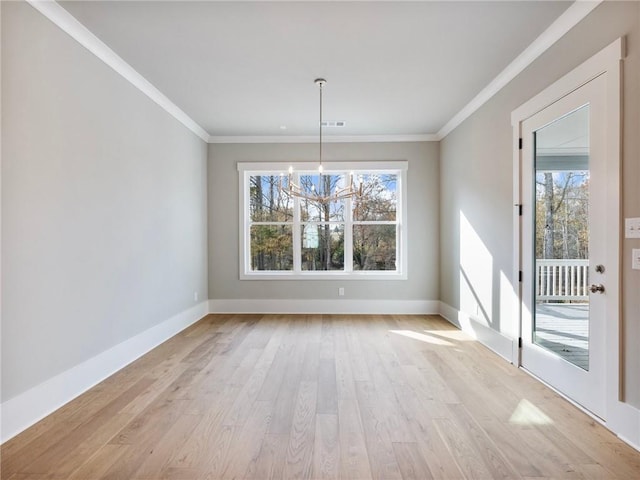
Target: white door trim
(607, 62)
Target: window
(284, 238)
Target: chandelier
(339, 193)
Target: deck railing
(562, 279)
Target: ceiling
(247, 68)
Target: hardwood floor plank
(246, 368)
(247, 441)
(438, 456)
(270, 462)
(411, 463)
(345, 383)
(213, 459)
(327, 338)
(204, 349)
(37, 455)
(382, 459)
(470, 463)
(72, 459)
(275, 375)
(354, 460)
(327, 387)
(509, 439)
(209, 439)
(491, 455)
(285, 402)
(358, 361)
(311, 362)
(326, 449)
(158, 456)
(97, 465)
(142, 435)
(299, 451)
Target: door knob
(597, 288)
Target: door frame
(607, 62)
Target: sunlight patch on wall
(509, 321)
(476, 274)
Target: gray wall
(103, 205)
(423, 192)
(477, 171)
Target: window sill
(359, 276)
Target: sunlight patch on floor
(526, 413)
(457, 335)
(422, 337)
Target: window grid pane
(271, 247)
(374, 247)
(267, 201)
(322, 246)
(379, 197)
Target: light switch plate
(635, 261)
(632, 228)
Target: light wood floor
(324, 396)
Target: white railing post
(562, 279)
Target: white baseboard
(496, 341)
(26, 409)
(624, 420)
(382, 307)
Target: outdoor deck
(564, 329)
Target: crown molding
(428, 137)
(70, 25)
(565, 22)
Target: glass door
(563, 300)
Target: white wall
(423, 247)
(476, 183)
(103, 206)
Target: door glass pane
(561, 313)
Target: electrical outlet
(341, 292)
(635, 260)
(632, 227)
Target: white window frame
(399, 168)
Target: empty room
(332, 239)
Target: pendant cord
(321, 127)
